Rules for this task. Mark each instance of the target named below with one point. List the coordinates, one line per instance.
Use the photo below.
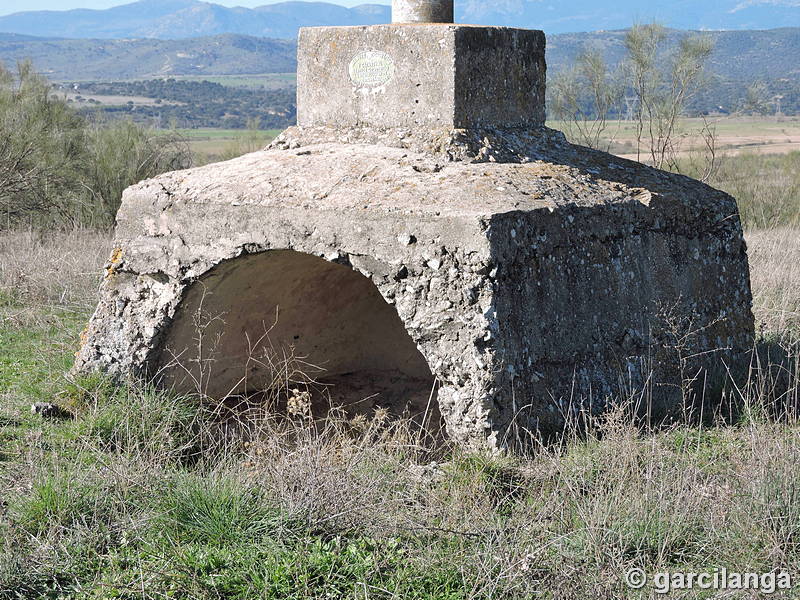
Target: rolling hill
(739, 55)
(77, 60)
(180, 19)
(591, 15)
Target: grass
(766, 186)
(142, 495)
(775, 272)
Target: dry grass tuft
(50, 271)
(775, 273)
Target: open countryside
(414, 362)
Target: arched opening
(282, 319)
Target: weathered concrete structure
(420, 224)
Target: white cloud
(749, 3)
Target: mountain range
(737, 56)
(742, 56)
(104, 59)
(181, 19)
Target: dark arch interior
(282, 319)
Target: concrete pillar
(422, 11)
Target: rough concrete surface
(531, 278)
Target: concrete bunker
(526, 269)
(282, 319)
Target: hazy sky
(12, 6)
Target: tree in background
(583, 97)
(662, 94)
(56, 168)
(657, 84)
(756, 100)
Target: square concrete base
(421, 75)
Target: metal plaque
(372, 69)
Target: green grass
(210, 145)
(108, 506)
(161, 527)
(33, 360)
(217, 510)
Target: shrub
(141, 422)
(65, 498)
(121, 153)
(41, 147)
(57, 168)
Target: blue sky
(11, 6)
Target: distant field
(209, 145)
(270, 81)
(735, 135)
(220, 135)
